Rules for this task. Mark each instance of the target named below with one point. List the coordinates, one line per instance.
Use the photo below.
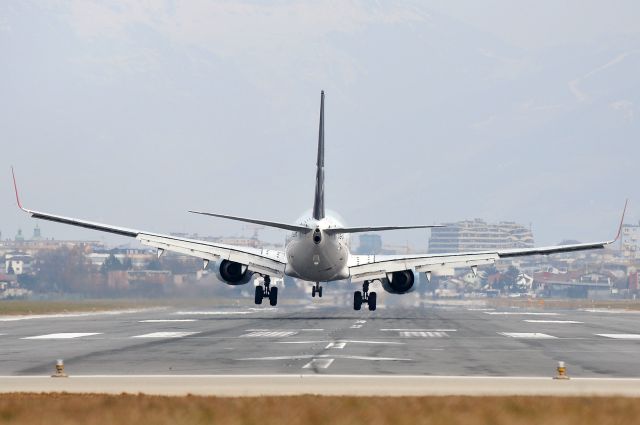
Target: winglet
(624, 211)
(15, 187)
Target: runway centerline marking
(419, 334)
(621, 336)
(283, 330)
(334, 356)
(336, 345)
(269, 334)
(165, 335)
(318, 364)
(66, 335)
(520, 313)
(166, 320)
(551, 321)
(528, 335)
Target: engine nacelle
(398, 282)
(233, 273)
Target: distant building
(17, 263)
(630, 241)
(478, 235)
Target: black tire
(372, 301)
(320, 292)
(273, 296)
(357, 300)
(313, 291)
(259, 294)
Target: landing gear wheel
(357, 300)
(372, 301)
(320, 292)
(313, 291)
(259, 294)
(273, 297)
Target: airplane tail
(318, 201)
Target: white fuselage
(317, 256)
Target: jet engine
(233, 273)
(398, 282)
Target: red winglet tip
(15, 187)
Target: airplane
(317, 250)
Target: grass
(93, 409)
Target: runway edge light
(59, 370)
(561, 371)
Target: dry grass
(564, 303)
(68, 409)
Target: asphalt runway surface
(434, 339)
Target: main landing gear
(316, 289)
(267, 292)
(364, 297)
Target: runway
(432, 340)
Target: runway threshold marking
(551, 321)
(318, 364)
(65, 335)
(165, 335)
(528, 335)
(621, 336)
(269, 334)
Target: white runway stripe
(165, 335)
(337, 345)
(414, 334)
(418, 330)
(621, 336)
(166, 320)
(551, 321)
(520, 313)
(528, 335)
(318, 364)
(67, 335)
(269, 334)
(212, 313)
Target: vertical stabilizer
(318, 202)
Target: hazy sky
(436, 111)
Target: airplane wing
(263, 261)
(371, 267)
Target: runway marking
(313, 356)
(621, 336)
(418, 330)
(520, 313)
(67, 335)
(481, 309)
(355, 326)
(337, 345)
(348, 341)
(165, 335)
(361, 321)
(269, 334)
(551, 321)
(166, 320)
(283, 330)
(528, 335)
(71, 315)
(420, 334)
(211, 313)
(318, 364)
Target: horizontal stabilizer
(377, 228)
(285, 226)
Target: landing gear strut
(267, 292)
(364, 297)
(316, 289)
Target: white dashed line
(318, 364)
(165, 335)
(282, 330)
(520, 313)
(418, 330)
(166, 320)
(621, 336)
(414, 334)
(551, 321)
(527, 335)
(269, 334)
(68, 335)
(337, 345)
